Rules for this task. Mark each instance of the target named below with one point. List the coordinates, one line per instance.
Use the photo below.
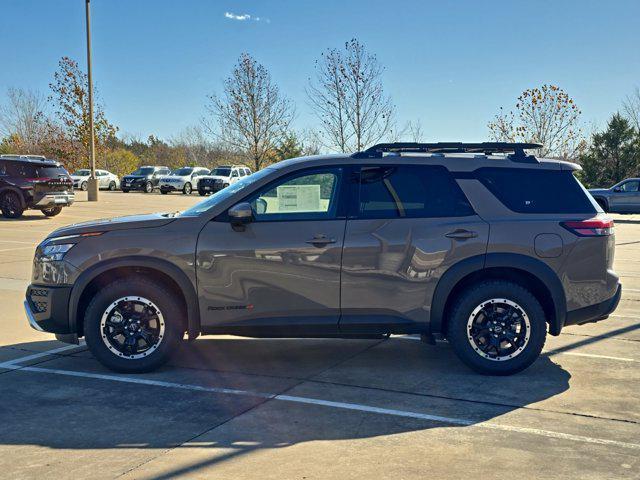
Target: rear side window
(30, 170)
(410, 191)
(525, 190)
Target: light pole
(93, 182)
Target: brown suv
(479, 243)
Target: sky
(448, 64)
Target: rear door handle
(461, 234)
(321, 240)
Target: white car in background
(183, 179)
(221, 177)
(105, 179)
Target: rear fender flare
(505, 260)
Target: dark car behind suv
(478, 243)
(145, 178)
(33, 182)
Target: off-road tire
(470, 299)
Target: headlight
(54, 253)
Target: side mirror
(240, 214)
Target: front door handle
(321, 240)
(461, 234)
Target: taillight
(593, 227)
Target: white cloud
(233, 16)
(245, 16)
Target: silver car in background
(106, 179)
(623, 197)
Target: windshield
(181, 172)
(82, 173)
(225, 193)
(221, 171)
(143, 171)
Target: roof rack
(516, 150)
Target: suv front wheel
(497, 327)
(133, 326)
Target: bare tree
(252, 116)
(631, 106)
(328, 97)
(23, 118)
(545, 115)
(348, 97)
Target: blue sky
(450, 65)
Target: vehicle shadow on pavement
(80, 413)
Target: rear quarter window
(525, 190)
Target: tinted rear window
(536, 191)
(31, 170)
(410, 191)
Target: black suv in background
(33, 182)
(145, 178)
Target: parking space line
(591, 355)
(551, 352)
(13, 364)
(331, 404)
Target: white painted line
(14, 363)
(619, 315)
(551, 352)
(16, 248)
(631, 290)
(591, 355)
(305, 400)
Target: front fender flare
(166, 267)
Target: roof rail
(517, 150)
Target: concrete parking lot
(229, 407)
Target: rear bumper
(594, 313)
(47, 308)
(54, 199)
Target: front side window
(631, 186)
(304, 197)
(410, 191)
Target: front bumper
(55, 199)
(47, 308)
(594, 313)
(169, 188)
(210, 186)
(134, 185)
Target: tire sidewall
(17, 212)
(187, 189)
(84, 186)
(469, 300)
(166, 302)
(148, 188)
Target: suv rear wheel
(497, 327)
(187, 189)
(133, 325)
(10, 205)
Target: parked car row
(186, 179)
